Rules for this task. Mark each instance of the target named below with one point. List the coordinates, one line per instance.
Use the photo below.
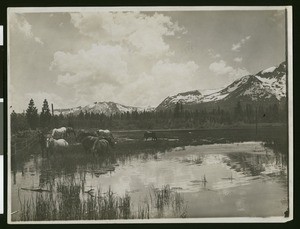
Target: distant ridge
(267, 86)
(107, 108)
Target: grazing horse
(83, 134)
(96, 145)
(69, 131)
(59, 133)
(106, 134)
(150, 134)
(53, 144)
(101, 132)
(101, 146)
(88, 143)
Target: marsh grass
(162, 197)
(198, 160)
(69, 202)
(179, 206)
(144, 211)
(166, 202)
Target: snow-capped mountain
(107, 108)
(189, 97)
(268, 85)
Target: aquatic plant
(67, 202)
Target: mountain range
(266, 87)
(107, 108)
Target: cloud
(144, 33)
(19, 24)
(128, 62)
(236, 47)
(105, 72)
(164, 79)
(100, 64)
(221, 68)
(212, 54)
(238, 59)
(38, 40)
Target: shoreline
(227, 127)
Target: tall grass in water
(69, 202)
(162, 197)
(144, 211)
(39, 207)
(168, 203)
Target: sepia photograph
(149, 114)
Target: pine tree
(177, 110)
(45, 116)
(238, 111)
(13, 121)
(181, 108)
(32, 115)
(275, 113)
(81, 115)
(18, 122)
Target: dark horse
(150, 134)
(83, 134)
(88, 143)
(69, 131)
(101, 146)
(93, 143)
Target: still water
(217, 180)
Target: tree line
(175, 118)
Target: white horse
(54, 144)
(59, 133)
(103, 132)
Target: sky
(135, 58)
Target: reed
(67, 202)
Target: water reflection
(191, 179)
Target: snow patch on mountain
(237, 83)
(222, 94)
(256, 91)
(205, 92)
(275, 86)
(124, 109)
(186, 99)
(268, 70)
(214, 97)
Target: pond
(238, 179)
